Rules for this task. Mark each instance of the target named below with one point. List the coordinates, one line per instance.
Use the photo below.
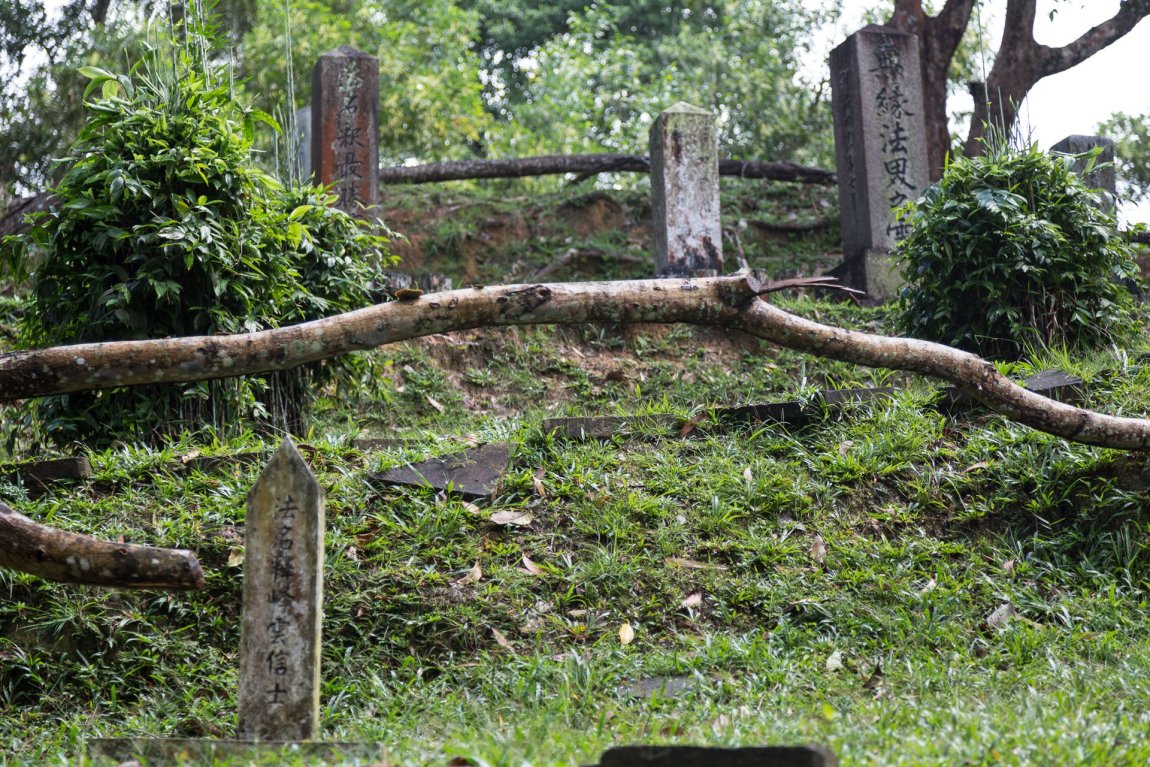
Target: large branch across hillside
(587, 165)
(732, 302)
(75, 558)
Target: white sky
(1074, 101)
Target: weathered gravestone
(1101, 174)
(283, 602)
(279, 635)
(345, 126)
(880, 149)
(687, 235)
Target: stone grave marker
(279, 635)
(1100, 178)
(687, 235)
(880, 149)
(345, 126)
(283, 602)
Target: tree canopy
(474, 78)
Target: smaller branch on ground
(57, 555)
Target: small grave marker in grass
(283, 602)
(280, 631)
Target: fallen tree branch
(586, 165)
(57, 555)
(731, 302)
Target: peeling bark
(57, 555)
(732, 302)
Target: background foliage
(164, 227)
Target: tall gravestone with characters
(880, 149)
(345, 126)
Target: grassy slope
(833, 583)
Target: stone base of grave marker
(196, 751)
(874, 272)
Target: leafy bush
(1010, 251)
(165, 227)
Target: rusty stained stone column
(687, 234)
(283, 602)
(345, 126)
(880, 149)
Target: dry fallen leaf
(431, 401)
(818, 550)
(501, 640)
(236, 556)
(511, 517)
(976, 466)
(626, 634)
(531, 567)
(834, 661)
(692, 564)
(1001, 616)
(473, 575)
(692, 600)
(471, 508)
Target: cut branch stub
(57, 555)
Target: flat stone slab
(657, 687)
(704, 756)
(198, 751)
(1054, 384)
(605, 427)
(472, 473)
(50, 470)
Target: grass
(840, 583)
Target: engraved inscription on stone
(283, 602)
(345, 126)
(880, 147)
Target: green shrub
(164, 227)
(1009, 252)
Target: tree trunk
(938, 37)
(1022, 62)
(732, 302)
(74, 558)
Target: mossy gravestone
(686, 232)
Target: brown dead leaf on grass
(474, 575)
